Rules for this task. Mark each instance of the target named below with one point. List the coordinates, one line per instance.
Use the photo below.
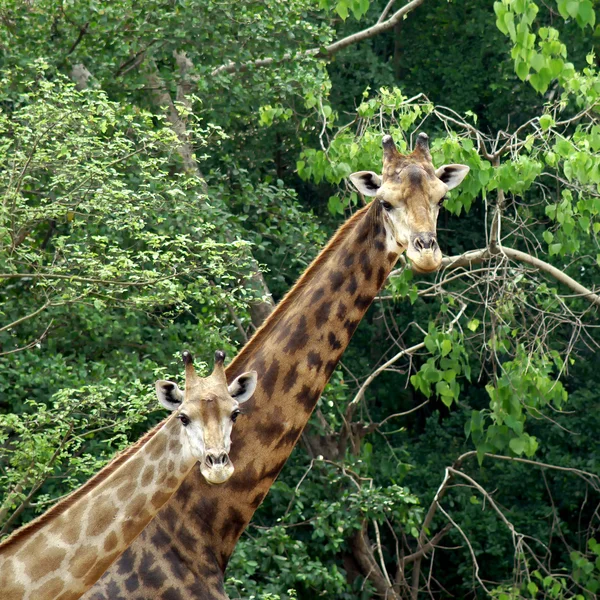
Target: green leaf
(446, 347)
(541, 80)
(550, 158)
(586, 14)
(538, 62)
(449, 375)
(556, 66)
(509, 21)
(521, 69)
(538, 84)
(562, 8)
(573, 8)
(341, 8)
(517, 445)
(515, 424)
(335, 205)
(532, 588)
(532, 446)
(473, 324)
(546, 121)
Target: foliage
(99, 241)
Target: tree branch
(89, 279)
(76, 43)
(423, 533)
(259, 309)
(386, 11)
(162, 98)
(430, 545)
(556, 273)
(26, 317)
(363, 555)
(359, 36)
(468, 259)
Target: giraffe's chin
(424, 261)
(217, 475)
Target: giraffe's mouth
(216, 475)
(424, 260)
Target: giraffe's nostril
(424, 241)
(221, 460)
(216, 460)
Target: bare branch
(359, 36)
(31, 344)
(468, 259)
(403, 414)
(551, 270)
(416, 572)
(259, 309)
(361, 392)
(363, 555)
(26, 317)
(87, 279)
(386, 11)
(472, 552)
(430, 545)
(162, 98)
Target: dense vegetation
(157, 156)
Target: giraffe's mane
(62, 505)
(290, 297)
(257, 339)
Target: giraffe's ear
(452, 175)
(169, 395)
(366, 182)
(243, 386)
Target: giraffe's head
(411, 193)
(207, 410)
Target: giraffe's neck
(67, 550)
(294, 353)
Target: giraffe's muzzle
(424, 252)
(216, 467)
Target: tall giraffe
(62, 554)
(183, 553)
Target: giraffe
(183, 553)
(62, 553)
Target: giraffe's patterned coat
(183, 553)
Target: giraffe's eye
(235, 414)
(442, 201)
(185, 420)
(386, 205)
